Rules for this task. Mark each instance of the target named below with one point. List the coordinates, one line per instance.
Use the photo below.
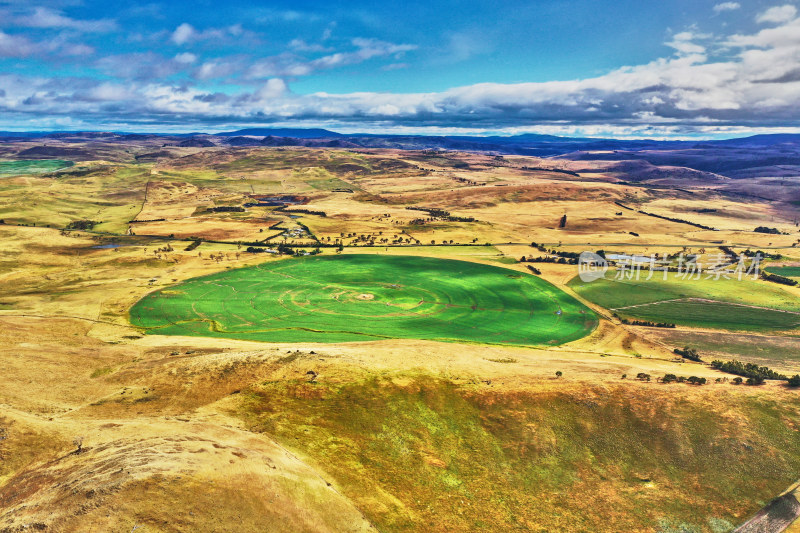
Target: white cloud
(727, 6)
(183, 33)
(15, 46)
(684, 43)
(185, 58)
(778, 14)
(366, 49)
(290, 65)
(301, 45)
(286, 65)
(215, 69)
(779, 37)
(266, 15)
(77, 50)
(756, 82)
(43, 17)
(108, 92)
(273, 88)
(142, 66)
(12, 45)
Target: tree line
(775, 278)
(671, 219)
(647, 323)
(441, 214)
(226, 209)
(304, 211)
(748, 370)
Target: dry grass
(163, 451)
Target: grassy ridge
(110, 195)
(368, 297)
(424, 451)
(16, 168)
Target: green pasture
(17, 168)
(715, 315)
(786, 271)
(731, 304)
(368, 297)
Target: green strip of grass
(731, 304)
(16, 168)
(715, 315)
(786, 271)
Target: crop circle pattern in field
(368, 297)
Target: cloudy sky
(627, 68)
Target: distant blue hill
(683, 152)
(761, 140)
(755, 156)
(23, 134)
(295, 133)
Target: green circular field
(367, 297)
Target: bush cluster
(748, 370)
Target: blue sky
(675, 68)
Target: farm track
(706, 300)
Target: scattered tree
(84, 225)
(688, 353)
(765, 229)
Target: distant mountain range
(319, 133)
(297, 133)
(756, 156)
(525, 144)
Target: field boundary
(706, 300)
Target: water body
(110, 245)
